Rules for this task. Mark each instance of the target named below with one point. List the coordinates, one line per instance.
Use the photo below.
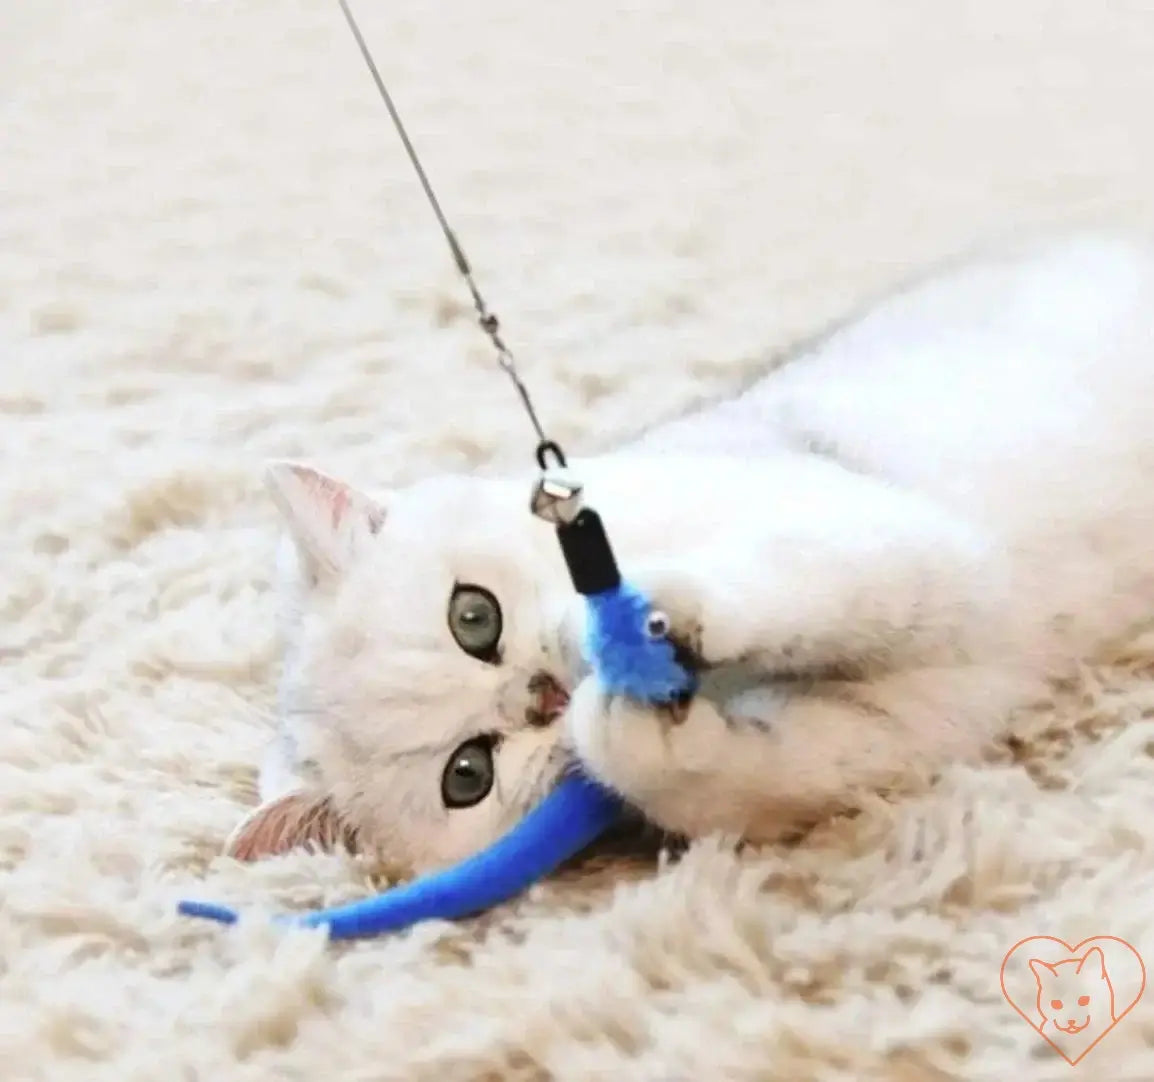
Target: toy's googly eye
(657, 625)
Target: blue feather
(626, 658)
(572, 816)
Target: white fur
(904, 530)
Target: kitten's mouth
(550, 699)
(687, 655)
(1073, 1027)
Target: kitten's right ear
(327, 518)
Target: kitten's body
(882, 548)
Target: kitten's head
(430, 646)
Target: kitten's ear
(297, 820)
(327, 518)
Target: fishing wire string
(546, 447)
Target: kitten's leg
(784, 755)
(875, 627)
(861, 575)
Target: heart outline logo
(1043, 968)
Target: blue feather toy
(628, 649)
(630, 654)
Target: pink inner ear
(296, 820)
(339, 503)
(340, 499)
(326, 491)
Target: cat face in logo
(1075, 993)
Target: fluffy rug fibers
(213, 252)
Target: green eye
(475, 622)
(468, 775)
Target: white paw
(685, 771)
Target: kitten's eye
(475, 622)
(657, 625)
(469, 774)
(1083, 1001)
(1056, 1004)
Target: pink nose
(550, 699)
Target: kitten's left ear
(327, 518)
(297, 820)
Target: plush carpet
(212, 251)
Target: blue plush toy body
(628, 649)
(630, 654)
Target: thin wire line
(489, 322)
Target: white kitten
(879, 551)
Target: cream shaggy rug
(212, 251)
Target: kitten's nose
(549, 699)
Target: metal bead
(556, 498)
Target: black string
(546, 447)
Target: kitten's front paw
(680, 764)
(670, 762)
